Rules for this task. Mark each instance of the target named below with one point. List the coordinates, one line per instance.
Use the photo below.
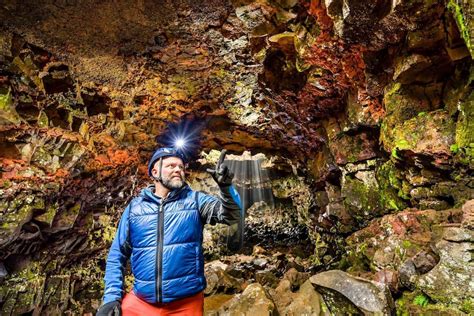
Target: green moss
(406, 244)
(464, 29)
(421, 300)
(6, 101)
(395, 153)
(465, 123)
(389, 179)
(393, 89)
(467, 306)
(454, 148)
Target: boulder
(252, 301)
(388, 242)
(344, 293)
(306, 302)
(451, 281)
(218, 280)
(429, 134)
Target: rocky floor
(427, 270)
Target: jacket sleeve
(225, 209)
(116, 261)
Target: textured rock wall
(367, 108)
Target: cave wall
(367, 107)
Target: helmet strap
(160, 166)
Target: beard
(173, 183)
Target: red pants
(188, 306)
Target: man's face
(172, 172)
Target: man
(161, 232)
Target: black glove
(222, 174)
(110, 309)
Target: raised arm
(225, 209)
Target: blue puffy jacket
(163, 239)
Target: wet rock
(260, 263)
(3, 272)
(338, 287)
(252, 301)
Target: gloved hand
(221, 173)
(110, 309)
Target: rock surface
(362, 110)
(347, 294)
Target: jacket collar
(149, 193)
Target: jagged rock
(430, 135)
(266, 278)
(295, 277)
(426, 38)
(407, 68)
(407, 272)
(338, 287)
(83, 98)
(252, 301)
(219, 281)
(387, 242)
(388, 277)
(305, 302)
(450, 281)
(467, 220)
(297, 300)
(349, 148)
(368, 191)
(360, 114)
(403, 102)
(425, 261)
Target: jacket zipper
(159, 263)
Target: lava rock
(252, 301)
(338, 287)
(218, 280)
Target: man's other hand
(110, 309)
(221, 173)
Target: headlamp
(180, 143)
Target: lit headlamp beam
(180, 143)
